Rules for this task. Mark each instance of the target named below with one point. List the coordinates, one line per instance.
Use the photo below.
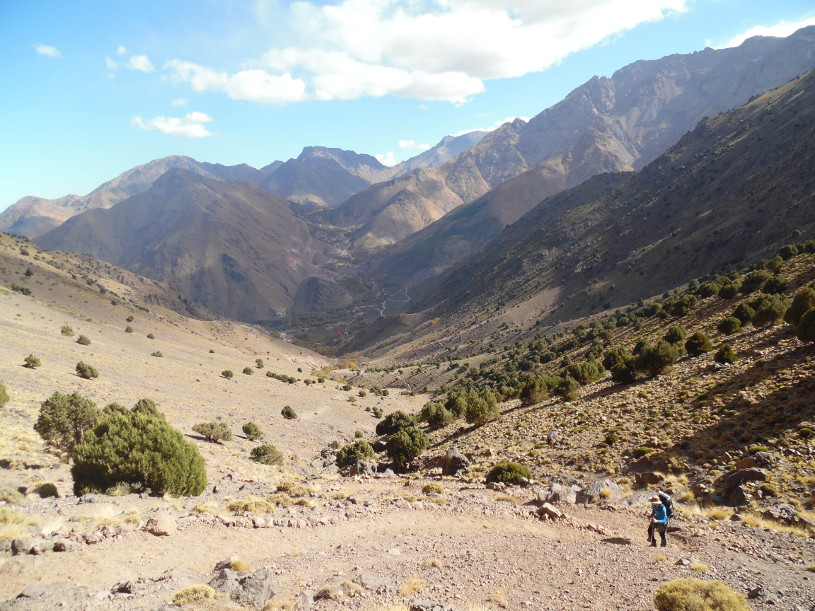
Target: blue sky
(92, 89)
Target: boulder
(365, 466)
(247, 589)
(604, 489)
(647, 478)
(738, 497)
(648, 463)
(732, 480)
(454, 461)
(550, 511)
(162, 525)
(557, 493)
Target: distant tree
(288, 413)
(769, 309)
(653, 359)
(744, 312)
(803, 301)
(83, 370)
(805, 331)
(406, 446)
(267, 454)
(213, 431)
(227, 373)
(725, 354)
(252, 431)
(788, 252)
(259, 363)
(349, 454)
(729, 325)
(248, 371)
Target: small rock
(162, 525)
(420, 604)
(123, 587)
(19, 546)
(35, 590)
(647, 478)
(602, 489)
(454, 461)
(550, 511)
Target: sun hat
(655, 500)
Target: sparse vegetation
(4, 398)
(66, 330)
(252, 431)
(31, 362)
(137, 448)
(393, 423)
(267, 454)
(227, 373)
(83, 340)
(83, 370)
(288, 413)
(698, 595)
(128, 329)
(406, 445)
(213, 431)
(192, 594)
(64, 419)
(509, 473)
(157, 353)
(248, 371)
(725, 354)
(349, 454)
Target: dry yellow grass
(498, 596)
(412, 585)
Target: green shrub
(433, 488)
(625, 372)
(788, 252)
(643, 451)
(213, 431)
(288, 413)
(698, 343)
(437, 416)
(358, 434)
(534, 390)
(193, 594)
(586, 372)
(769, 309)
(248, 371)
(212, 351)
(346, 387)
(393, 422)
(148, 407)
(688, 594)
(129, 318)
(729, 325)
(482, 407)
(675, 334)
(805, 331)
(377, 412)
(729, 289)
(754, 281)
(362, 393)
(46, 490)
(654, 359)
(614, 356)
(128, 329)
(157, 354)
(3, 395)
(227, 373)
(252, 431)
(508, 473)
(803, 301)
(744, 312)
(407, 445)
(66, 330)
(83, 340)
(31, 362)
(683, 305)
(63, 419)
(83, 370)
(775, 285)
(259, 363)
(137, 448)
(151, 336)
(349, 454)
(266, 454)
(567, 388)
(725, 354)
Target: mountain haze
(234, 248)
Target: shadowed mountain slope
(733, 190)
(234, 248)
(606, 125)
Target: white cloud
(179, 102)
(781, 29)
(141, 63)
(188, 126)
(424, 107)
(111, 64)
(427, 49)
(47, 50)
(120, 50)
(388, 159)
(254, 85)
(412, 145)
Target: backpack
(667, 501)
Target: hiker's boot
(653, 543)
(664, 543)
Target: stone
(557, 493)
(730, 481)
(162, 525)
(365, 467)
(603, 489)
(246, 589)
(18, 546)
(259, 522)
(550, 511)
(553, 438)
(63, 545)
(647, 478)
(648, 463)
(35, 590)
(422, 604)
(226, 563)
(304, 600)
(738, 497)
(454, 461)
(317, 463)
(123, 587)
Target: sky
(91, 89)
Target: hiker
(659, 522)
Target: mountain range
(473, 219)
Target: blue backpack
(667, 501)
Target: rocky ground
(306, 536)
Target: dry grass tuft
(250, 504)
(699, 566)
(412, 585)
(294, 489)
(498, 596)
(432, 562)
(349, 588)
(659, 557)
(240, 565)
(508, 498)
(192, 594)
